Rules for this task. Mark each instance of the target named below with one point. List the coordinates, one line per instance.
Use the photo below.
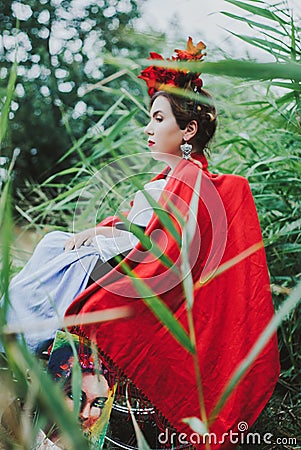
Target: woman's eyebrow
(157, 112)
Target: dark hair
(185, 110)
(61, 360)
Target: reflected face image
(95, 392)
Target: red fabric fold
(230, 310)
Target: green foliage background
(61, 49)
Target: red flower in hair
(192, 52)
(158, 78)
(154, 55)
(197, 82)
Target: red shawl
(230, 310)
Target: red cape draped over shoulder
(230, 308)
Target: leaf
(196, 425)
(163, 313)
(149, 245)
(292, 86)
(49, 397)
(293, 40)
(76, 383)
(69, 321)
(6, 237)
(244, 69)
(188, 234)
(262, 12)
(89, 134)
(253, 23)
(141, 441)
(9, 95)
(113, 132)
(264, 44)
(288, 306)
(70, 171)
(159, 309)
(163, 215)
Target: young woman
(201, 257)
(205, 264)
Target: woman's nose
(85, 412)
(148, 130)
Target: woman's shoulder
(218, 177)
(233, 180)
(157, 183)
(227, 185)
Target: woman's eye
(159, 119)
(70, 395)
(99, 402)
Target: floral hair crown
(61, 359)
(160, 78)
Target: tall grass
(267, 151)
(259, 138)
(37, 391)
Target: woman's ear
(191, 130)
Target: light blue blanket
(48, 284)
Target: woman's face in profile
(164, 134)
(95, 392)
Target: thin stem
(197, 372)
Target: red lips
(150, 143)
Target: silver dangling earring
(186, 150)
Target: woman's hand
(85, 237)
(77, 240)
